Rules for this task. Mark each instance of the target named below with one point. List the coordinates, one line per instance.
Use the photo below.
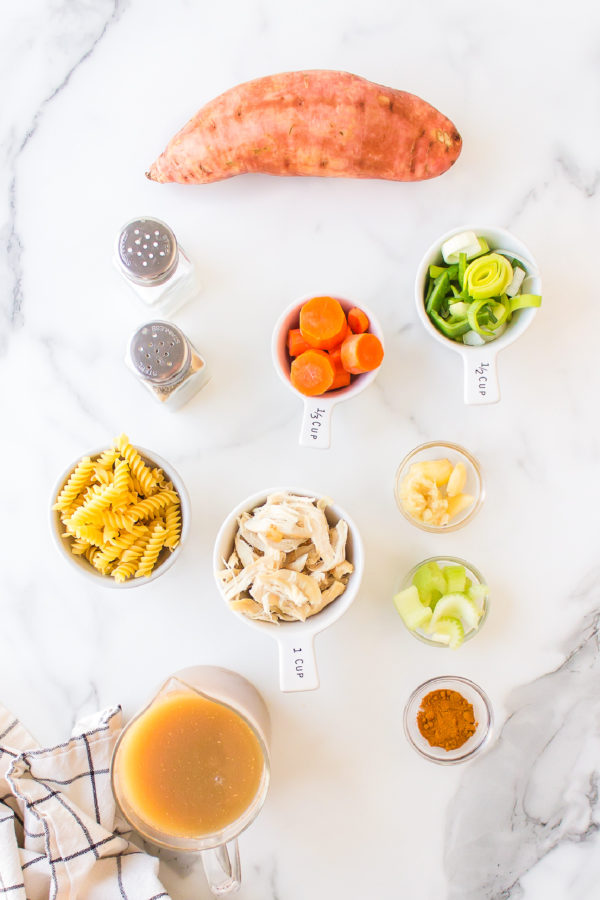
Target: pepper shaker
(154, 265)
(166, 363)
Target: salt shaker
(154, 265)
(166, 363)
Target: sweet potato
(311, 123)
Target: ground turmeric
(446, 719)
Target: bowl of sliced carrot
(326, 349)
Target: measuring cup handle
(316, 428)
(481, 377)
(223, 872)
(297, 664)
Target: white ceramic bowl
(297, 663)
(480, 374)
(316, 421)
(167, 557)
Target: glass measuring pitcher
(191, 770)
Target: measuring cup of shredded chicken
(288, 562)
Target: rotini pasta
(153, 548)
(172, 525)
(119, 513)
(79, 479)
(139, 470)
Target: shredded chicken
(287, 562)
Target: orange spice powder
(446, 719)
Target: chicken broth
(188, 766)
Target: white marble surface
(92, 92)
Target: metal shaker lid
(147, 251)
(160, 352)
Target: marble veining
(538, 786)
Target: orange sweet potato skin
(317, 122)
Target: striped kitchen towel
(60, 833)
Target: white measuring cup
(480, 370)
(315, 430)
(295, 640)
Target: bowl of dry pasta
(120, 515)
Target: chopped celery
(429, 578)
(450, 630)
(456, 579)
(457, 606)
(442, 602)
(414, 613)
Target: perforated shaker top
(160, 352)
(147, 251)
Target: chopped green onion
(450, 329)
(524, 301)
(473, 297)
(488, 276)
(462, 266)
(473, 317)
(436, 271)
(442, 283)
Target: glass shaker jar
(166, 363)
(154, 265)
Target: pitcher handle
(222, 869)
(481, 377)
(315, 430)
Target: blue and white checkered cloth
(60, 833)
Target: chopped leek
(472, 297)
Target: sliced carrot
(312, 373)
(361, 353)
(296, 343)
(340, 379)
(358, 320)
(338, 346)
(323, 322)
(335, 356)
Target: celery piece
(450, 629)
(427, 579)
(477, 592)
(456, 579)
(414, 613)
(457, 606)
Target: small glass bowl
(474, 484)
(482, 709)
(472, 573)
